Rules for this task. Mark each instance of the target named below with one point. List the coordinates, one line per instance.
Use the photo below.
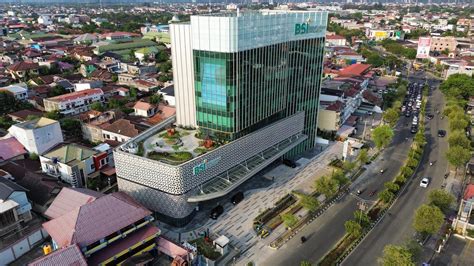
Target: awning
(108, 170)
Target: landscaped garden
(176, 145)
(206, 248)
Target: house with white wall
(20, 91)
(38, 135)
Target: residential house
(75, 102)
(464, 222)
(70, 163)
(111, 229)
(145, 109)
(38, 135)
(10, 150)
(23, 69)
(335, 40)
(443, 43)
(69, 199)
(168, 95)
(24, 115)
(20, 91)
(14, 206)
(120, 130)
(92, 123)
(146, 86)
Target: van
(216, 212)
(238, 197)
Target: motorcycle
(303, 239)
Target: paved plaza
(237, 221)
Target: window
(92, 167)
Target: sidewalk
(237, 221)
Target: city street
(397, 228)
(324, 232)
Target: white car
(424, 182)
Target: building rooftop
(95, 220)
(70, 154)
(354, 70)
(76, 95)
(17, 88)
(123, 127)
(70, 255)
(36, 123)
(7, 187)
(23, 66)
(69, 199)
(10, 148)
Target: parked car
(289, 163)
(441, 133)
(424, 182)
(216, 212)
(238, 197)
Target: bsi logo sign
(206, 164)
(305, 28)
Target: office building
(256, 83)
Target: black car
(414, 129)
(441, 133)
(238, 197)
(429, 116)
(289, 163)
(216, 212)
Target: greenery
(56, 91)
(71, 127)
(6, 122)
(382, 136)
(428, 219)
(353, 228)
(134, 44)
(305, 263)
(55, 115)
(156, 98)
(441, 199)
(386, 196)
(347, 33)
(8, 103)
(458, 156)
(397, 255)
(327, 186)
(458, 138)
(165, 67)
(97, 106)
(398, 49)
(362, 218)
(309, 202)
(392, 187)
(171, 158)
(458, 86)
(391, 116)
(33, 156)
(363, 157)
(289, 219)
(206, 248)
(340, 177)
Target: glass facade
(237, 93)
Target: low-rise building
(110, 229)
(75, 102)
(335, 40)
(38, 135)
(145, 109)
(70, 163)
(92, 123)
(168, 95)
(10, 150)
(14, 206)
(22, 69)
(120, 130)
(443, 43)
(19, 91)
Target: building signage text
(206, 164)
(306, 28)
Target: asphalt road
(324, 232)
(397, 228)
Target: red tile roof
(76, 95)
(143, 106)
(10, 148)
(334, 37)
(23, 66)
(69, 199)
(469, 192)
(354, 70)
(335, 106)
(95, 220)
(122, 127)
(71, 256)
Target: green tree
(162, 56)
(391, 116)
(97, 106)
(348, 166)
(71, 127)
(34, 156)
(6, 122)
(156, 98)
(55, 115)
(363, 157)
(308, 202)
(397, 255)
(305, 263)
(458, 86)
(327, 186)
(458, 123)
(133, 92)
(428, 219)
(353, 228)
(165, 67)
(340, 177)
(386, 195)
(458, 156)
(56, 91)
(441, 199)
(362, 218)
(289, 219)
(458, 138)
(382, 136)
(392, 187)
